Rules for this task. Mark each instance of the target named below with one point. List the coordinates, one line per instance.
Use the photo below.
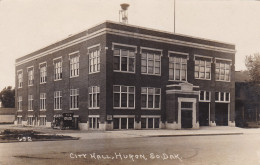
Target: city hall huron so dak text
(118, 76)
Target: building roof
(115, 28)
(242, 76)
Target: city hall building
(118, 76)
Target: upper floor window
(204, 96)
(20, 100)
(42, 101)
(74, 64)
(30, 102)
(202, 68)
(57, 100)
(151, 62)
(223, 70)
(30, 76)
(57, 69)
(178, 68)
(94, 97)
(124, 60)
(74, 99)
(222, 96)
(151, 98)
(124, 96)
(94, 59)
(20, 79)
(43, 73)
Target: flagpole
(174, 17)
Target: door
(221, 114)
(186, 118)
(204, 114)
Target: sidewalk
(203, 131)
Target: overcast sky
(28, 25)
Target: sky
(28, 25)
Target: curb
(196, 135)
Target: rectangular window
(222, 96)
(30, 76)
(124, 60)
(223, 70)
(150, 98)
(30, 102)
(151, 63)
(74, 65)
(123, 123)
(202, 69)
(124, 96)
(94, 93)
(57, 100)
(30, 120)
(204, 96)
(74, 99)
(57, 70)
(42, 121)
(42, 101)
(178, 68)
(150, 122)
(20, 101)
(93, 122)
(19, 120)
(43, 73)
(20, 79)
(94, 61)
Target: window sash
(43, 101)
(151, 63)
(94, 97)
(223, 71)
(151, 98)
(202, 69)
(94, 61)
(58, 70)
(124, 60)
(222, 96)
(124, 96)
(74, 98)
(177, 69)
(43, 74)
(74, 66)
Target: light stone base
(162, 125)
(15, 122)
(102, 126)
(231, 123)
(83, 126)
(24, 123)
(138, 125)
(173, 125)
(48, 124)
(212, 124)
(196, 126)
(109, 127)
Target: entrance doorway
(204, 114)
(221, 114)
(186, 118)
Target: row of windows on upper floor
(124, 60)
(123, 97)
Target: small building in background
(247, 97)
(7, 115)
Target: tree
(7, 96)
(252, 63)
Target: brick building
(118, 76)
